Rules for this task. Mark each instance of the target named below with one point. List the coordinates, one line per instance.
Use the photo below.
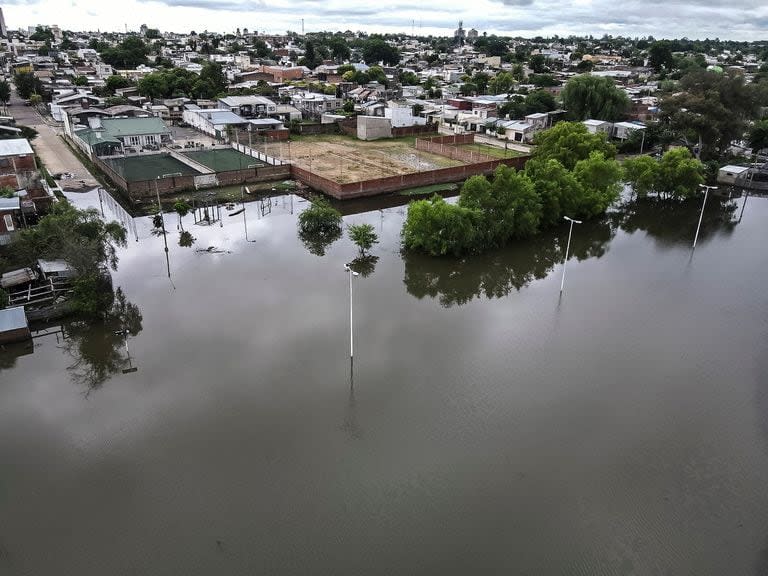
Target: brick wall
(310, 129)
(414, 130)
(146, 188)
(404, 181)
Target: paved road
(51, 149)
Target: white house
(213, 121)
(623, 130)
(731, 174)
(597, 126)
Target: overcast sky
(738, 20)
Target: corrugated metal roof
(134, 126)
(15, 147)
(13, 319)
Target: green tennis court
(223, 160)
(138, 168)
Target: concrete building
(18, 168)
(214, 122)
(597, 126)
(733, 175)
(248, 106)
(109, 136)
(373, 128)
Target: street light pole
(567, 249)
(701, 216)
(351, 336)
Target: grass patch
(431, 189)
(492, 150)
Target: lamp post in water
(701, 216)
(567, 248)
(351, 337)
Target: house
(18, 168)
(314, 105)
(538, 120)
(623, 130)
(248, 106)
(597, 126)
(734, 175)
(72, 99)
(108, 136)
(400, 114)
(518, 131)
(214, 122)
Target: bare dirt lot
(345, 159)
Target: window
(150, 138)
(8, 222)
(134, 140)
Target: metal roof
(51, 266)
(13, 319)
(734, 169)
(7, 204)
(15, 147)
(134, 126)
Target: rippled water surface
(491, 427)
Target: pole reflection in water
(351, 425)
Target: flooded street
(490, 427)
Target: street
(50, 148)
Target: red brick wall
(404, 181)
(9, 180)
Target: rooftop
(117, 127)
(15, 147)
(13, 319)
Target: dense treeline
(572, 173)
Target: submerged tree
(364, 237)
(98, 344)
(319, 226)
(81, 238)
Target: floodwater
(491, 427)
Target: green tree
(757, 136)
(319, 226)
(501, 83)
(364, 237)
(127, 54)
(5, 91)
(27, 84)
(440, 229)
(538, 64)
(376, 50)
(509, 205)
(560, 191)
(710, 110)
(679, 174)
(213, 74)
(115, 82)
(42, 34)
(600, 178)
(660, 56)
(182, 209)
(569, 142)
(594, 97)
(642, 173)
(81, 238)
(80, 81)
